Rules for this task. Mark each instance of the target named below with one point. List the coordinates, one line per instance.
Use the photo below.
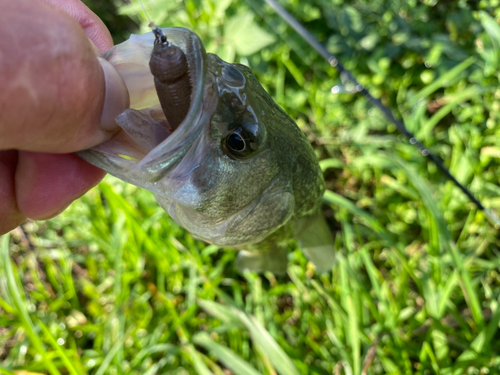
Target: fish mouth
(145, 148)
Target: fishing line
(156, 30)
(400, 126)
(145, 13)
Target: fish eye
(239, 144)
(236, 143)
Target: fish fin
(316, 241)
(274, 260)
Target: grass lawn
(114, 286)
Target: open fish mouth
(146, 149)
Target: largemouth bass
(236, 171)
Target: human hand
(56, 98)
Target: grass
(114, 286)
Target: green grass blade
(20, 305)
(151, 350)
(442, 81)
(450, 285)
(59, 350)
(108, 358)
(445, 239)
(330, 163)
(260, 336)
(354, 335)
(484, 338)
(200, 366)
(221, 312)
(452, 102)
(283, 364)
(333, 198)
(4, 371)
(231, 360)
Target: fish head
(235, 170)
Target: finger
(47, 183)
(91, 24)
(10, 216)
(53, 95)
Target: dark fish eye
(236, 143)
(240, 144)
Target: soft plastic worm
(170, 69)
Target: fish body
(237, 172)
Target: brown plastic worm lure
(170, 69)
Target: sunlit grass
(114, 286)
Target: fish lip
(161, 159)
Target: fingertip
(8, 223)
(10, 216)
(46, 184)
(54, 96)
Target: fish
(235, 170)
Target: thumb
(57, 95)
